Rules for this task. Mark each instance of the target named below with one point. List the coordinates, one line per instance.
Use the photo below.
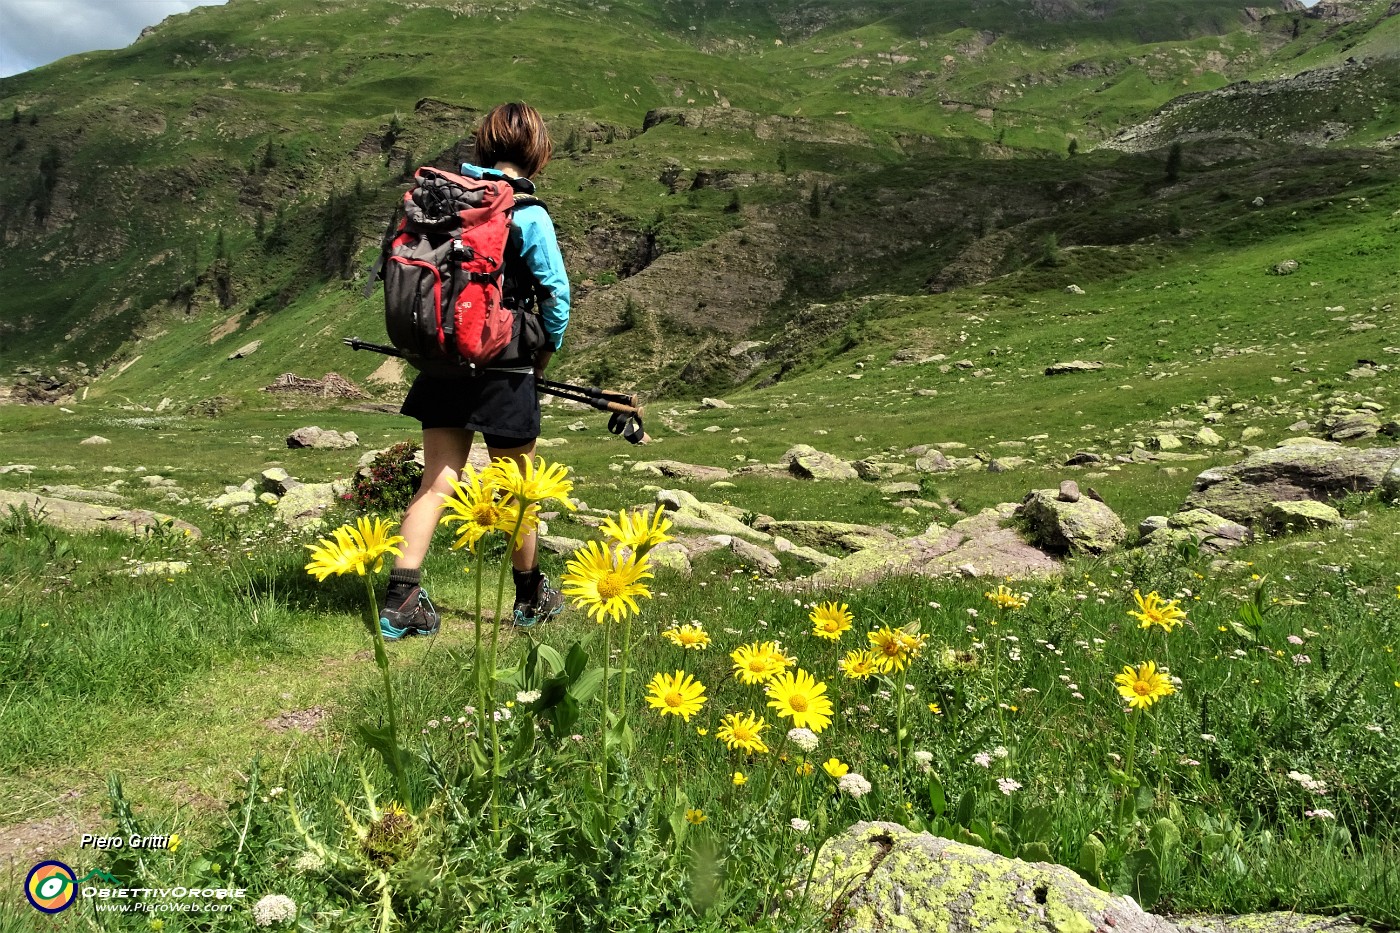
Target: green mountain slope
(225, 177)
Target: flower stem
(603, 770)
(477, 667)
(899, 733)
(626, 647)
(381, 659)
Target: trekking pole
(626, 420)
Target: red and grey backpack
(444, 270)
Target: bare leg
(524, 556)
(445, 452)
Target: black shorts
(503, 406)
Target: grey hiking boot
(416, 615)
(547, 604)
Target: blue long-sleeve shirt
(540, 251)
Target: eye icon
(50, 887)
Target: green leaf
(551, 657)
(379, 739)
(587, 684)
(971, 839)
(1164, 840)
(1211, 843)
(577, 660)
(1091, 858)
(936, 797)
(1142, 877)
(524, 740)
(1121, 778)
(1035, 852)
(967, 806)
(1037, 825)
(1001, 842)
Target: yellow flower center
(798, 703)
(674, 700)
(612, 585)
(758, 665)
(485, 514)
(1142, 688)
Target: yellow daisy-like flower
(859, 664)
(636, 531)
(835, 768)
(1004, 598)
(740, 779)
(805, 769)
(1144, 686)
(604, 583)
(894, 648)
(692, 637)
(676, 694)
(831, 621)
(1154, 610)
(478, 507)
(695, 817)
(799, 697)
(743, 732)
(759, 662)
(536, 481)
(701, 731)
(935, 709)
(354, 548)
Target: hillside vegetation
(721, 166)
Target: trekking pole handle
(355, 343)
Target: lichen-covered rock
(305, 504)
(755, 557)
(1277, 922)
(873, 471)
(561, 545)
(688, 513)
(985, 544)
(879, 877)
(83, 517)
(810, 555)
(1390, 484)
(1351, 425)
(933, 461)
(1318, 470)
(818, 465)
(237, 501)
(1007, 464)
(844, 535)
(675, 469)
(1086, 526)
(1166, 442)
(1207, 437)
(278, 481)
(320, 439)
(1299, 515)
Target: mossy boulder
(83, 517)
(884, 877)
(1320, 471)
(1083, 527)
(1300, 515)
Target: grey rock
(1351, 425)
(675, 469)
(83, 517)
(27, 468)
(1007, 464)
(1083, 458)
(900, 489)
(248, 349)
(844, 535)
(1166, 442)
(933, 461)
(1287, 266)
(79, 494)
(1073, 290)
(237, 500)
(558, 544)
(887, 877)
(1072, 366)
(1206, 437)
(1318, 470)
(751, 555)
(1086, 526)
(319, 439)
(1299, 515)
(278, 481)
(94, 440)
(1390, 485)
(305, 504)
(818, 465)
(715, 403)
(873, 471)
(671, 556)
(1069, 491)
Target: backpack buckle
(462, 252)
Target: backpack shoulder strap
(528, 200)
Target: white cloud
(36, 32)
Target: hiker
(501, 401)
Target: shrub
(389, 482)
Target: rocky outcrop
(806, 462)
(1200, 527)
(842, 535)
(84, 517)
(1318, 470)
(675, 469)
(878, 877)
(1072, 366)
(320, 439)
(1061, 525)
(881, 876)
(986, 544)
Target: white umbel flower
(526, 697)
(804, 739)
(800, 825)
(854, 785)
(923, 761)
(274, 908)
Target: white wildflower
(805, 739)
(526, 697)
(274, 908)
(854, 785)
(1008, 786)
(800, 825)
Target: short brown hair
(514, 133)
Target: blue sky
(36, 32)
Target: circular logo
(51, 887)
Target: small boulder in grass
(319, 439)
